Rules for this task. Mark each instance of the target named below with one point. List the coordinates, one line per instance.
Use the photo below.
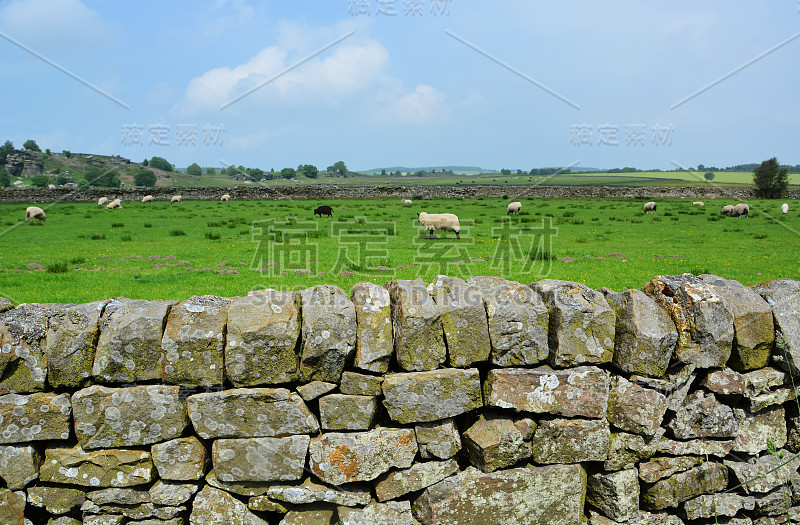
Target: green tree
(5, 150)
(338, 168)
(5, 180)
(505, 171)
(32, 145)
(255, 173)
(145, 162)
(63, 178)
(145, 178)
(211, 171)
(232, 171)
(108, 178)
(161, 163)
(288, 173)
(67, 153)
(194, 169)
(709, 176)
(309, 170)
(770, 179)
(40, 181)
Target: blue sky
(500, 84)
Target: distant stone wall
(326, 192)
(453, 402)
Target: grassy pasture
(163, 251)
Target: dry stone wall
(483, 401)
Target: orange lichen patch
(344, 460)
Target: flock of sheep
(739, 210)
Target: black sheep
(324, 210)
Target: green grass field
(159, 251)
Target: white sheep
(784, 208)
(225, 198)
(440, 221)
(698, 203)
(649, 206)
(34, 212)
(116, 203)
(406, 201)
(741, 209)
(102, 201)
(514, 208)
(727, 210)
(147, 198)
(175, 199)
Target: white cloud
(424, 105)
(54, 24)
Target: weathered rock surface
(216, 507)
(494, 442)
(263, 336)
(345, 412)
(757, 430)
(101, 468)
(664, 467)
(397, 483)
(635, 409)
(126, 417)
(711, 505)
(626, 450)
(752, 323)
(12, 507)
(129, 346)
(374, 344)
(581, 391)
(417, 326)
(615, 494)
(338, 458)
(356, 384)
(582, 323)
(762, 381)
(172, 493)
(315, 514)
(724, 382)
(518, 321)
(250, 412)
(438, 439)
(705, 325)
(313, 390)
(644, 334)
(260, 459)
(551, 495)
(329, 333)
(571, 441)
(702, 416)
(56, 500)
(463, 315)
(761, 480)
(310, 492)
(422, 397)
(194, 340)
(70, 343)
(19, 465)
(783, 295)
(23, 363)
(35, 417)
(389, 513)
(182, 459)
(707, 478)
(695, 447)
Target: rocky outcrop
(25, 163)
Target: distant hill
(461, 170)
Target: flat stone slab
(126, 417)
(724, 382)
(182, 459)
(417, 326)
(356, 384)
(19, 465)
(494, 442)
(310, 492)
(627, 450)
(757, 430)
(581, 391)
(260, 459)
(518, 321)
(550, 495)
(129, 346)
(338, 458)
(374, 340)
(421, 397)
(389, 513)
(328, 333)
(634, 408)
(346, 412)
(783, 296)
(263, 334)
(70, 343)
(23, 364)
(616, 494)
(250, 412)
(56, 500)
(707, 478)
(398, 483)
(663, 467)
(438, 439)
(194, 341)
(571, 441)
(35, 417)
(101, 468)
(213, 506)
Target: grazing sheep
(116, 203)
(649, 206)
(727, 210)
(102, 201)
(698, 203)
(225, 198)
(440, 221)
(514, 208)
(784, 208)
(740, 210)
(406, 201)
(324, 210)
(34, 212)
(147, 198)
(175, 199)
